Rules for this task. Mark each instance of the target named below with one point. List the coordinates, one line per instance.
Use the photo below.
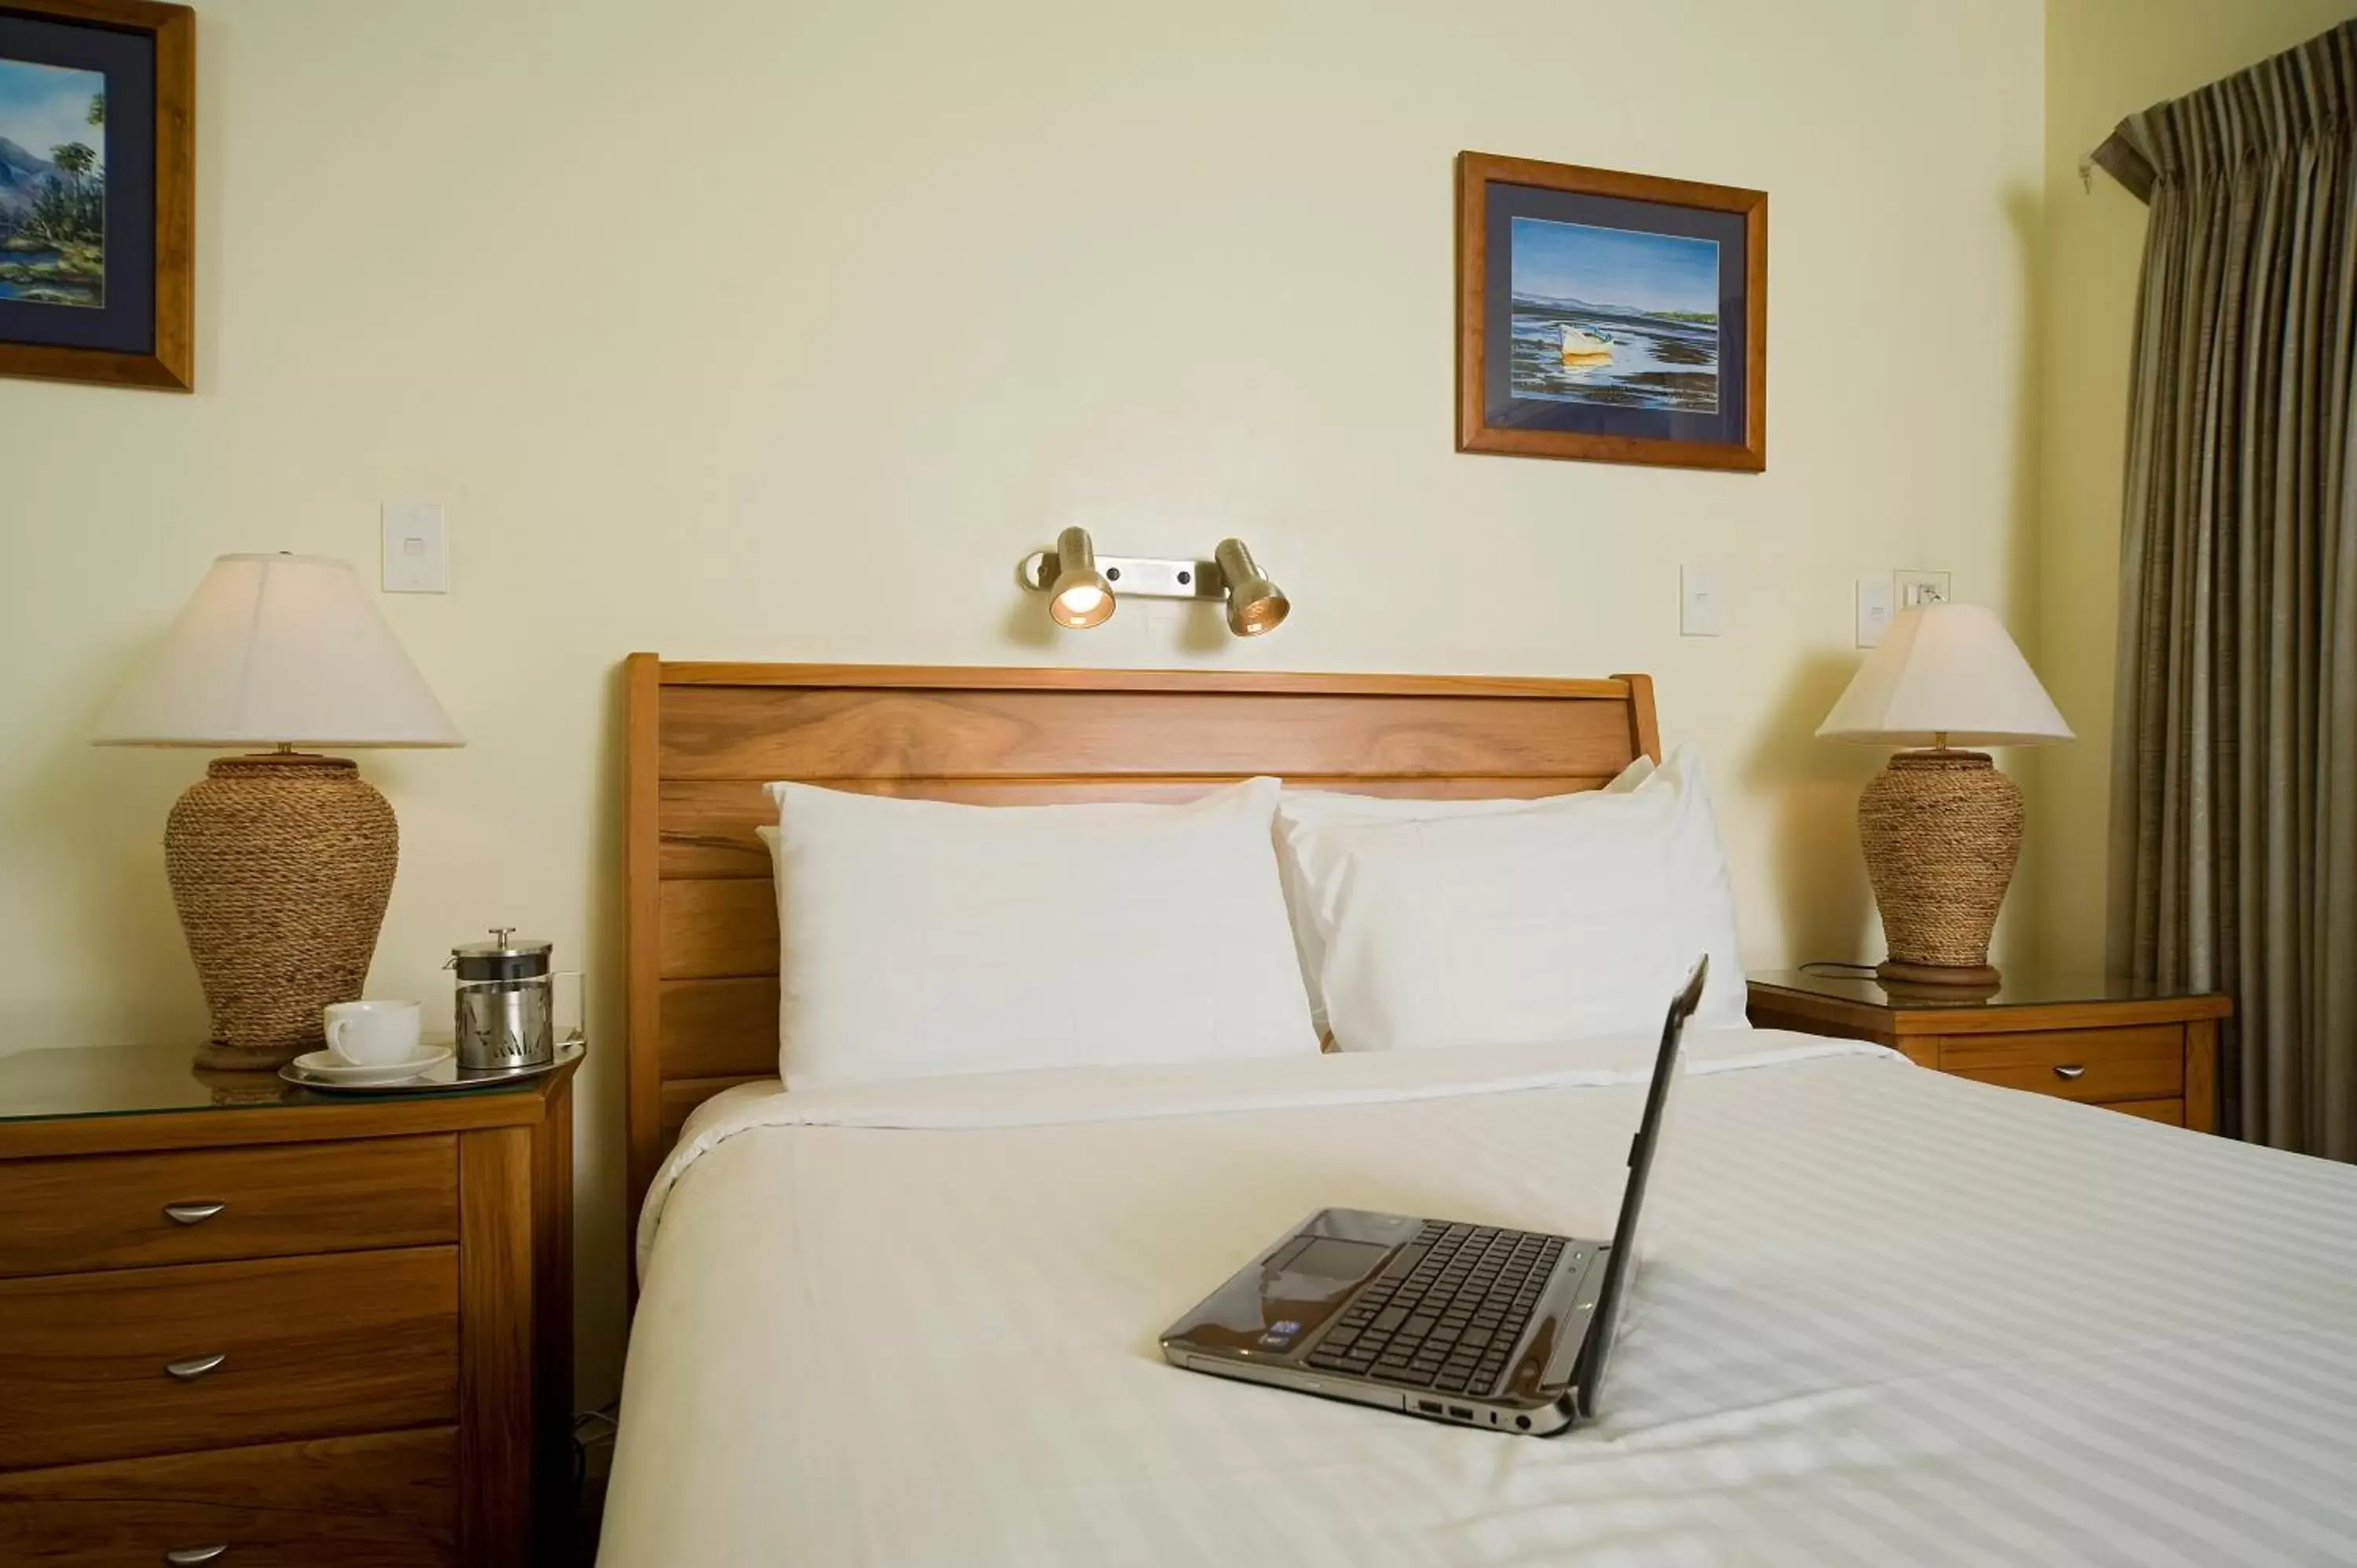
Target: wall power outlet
(1915, 588)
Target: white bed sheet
(1887, 1317)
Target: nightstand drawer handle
(195, 1367)
(189, 1556)
(2071, 1073)
(191, 1213)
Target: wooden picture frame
(1523, 393)
(143, 332)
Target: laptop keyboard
(1449, 1321)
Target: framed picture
(1614, 318)
(97, 191)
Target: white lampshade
(276, 650)
(1945, 675)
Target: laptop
(1474, 1325)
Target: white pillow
(1702, 895)
(1505, 927)
(1298, 809)
(920, 938)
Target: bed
(1885, 1315)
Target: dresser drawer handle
(191, 1213)
(2071, 1073)
(189, 1556)
(195, 1367)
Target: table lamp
(280, 864)
(1942, 827)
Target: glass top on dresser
(2021, 985)
(130, 1081)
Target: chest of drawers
(244, 1326)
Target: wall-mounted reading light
(1255, 605)
(1078, 594)
(1081, 585)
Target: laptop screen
(1596, 1349)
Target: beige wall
(2104, 59)
(743, 328)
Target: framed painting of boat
(97, 191)
(1608, 317)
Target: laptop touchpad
(1321, 1262)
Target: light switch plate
(1699, 602)
(416, 554)
(1914, 589)
(1873, 611)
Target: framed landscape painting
(97, 184)
(1614, 318)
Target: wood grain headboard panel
(703, 738)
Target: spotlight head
(1255, 605)
(1079, 597)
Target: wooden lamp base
(281, 865)
(1942, 831)
(1970, 975)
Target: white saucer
(327, 1067)
(445, 1077)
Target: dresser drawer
(113, 1211)
(2170, 1111)
(2141, 1063)
(387, 1501)
(308, 1346)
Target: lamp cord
(1837, 968)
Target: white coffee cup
(374, 1034)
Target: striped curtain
(2233, 853)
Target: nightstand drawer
(113, 1211)
(2140, 1063)
(211, 1355)
(387, 1501)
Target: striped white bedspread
(1886, 1317)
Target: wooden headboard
(703, 738)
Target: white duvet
(1886, 1317)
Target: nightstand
(2121, 1043)
(252, 1324)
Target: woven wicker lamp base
(1942, 831)
(281, 865)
